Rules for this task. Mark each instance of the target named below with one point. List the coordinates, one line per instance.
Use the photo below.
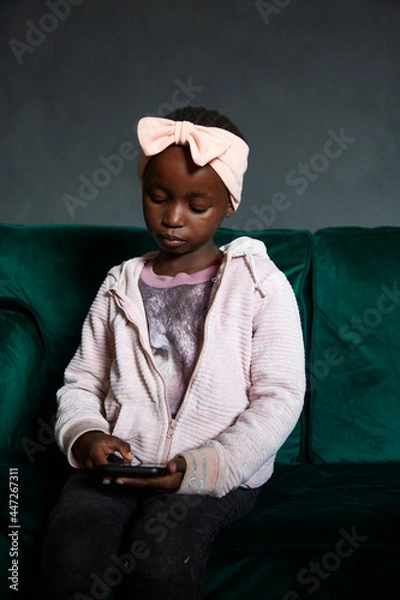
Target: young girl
(191, 356)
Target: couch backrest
(355, 347)
(49, 276)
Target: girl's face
(183, 206)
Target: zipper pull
(171, 428)
(168, 441)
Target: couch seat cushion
(342, 517)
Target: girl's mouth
(171, 240)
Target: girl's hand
(176, 468)
(92, 448)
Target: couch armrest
(22, 380)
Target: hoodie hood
(247, 247)
(244, 245)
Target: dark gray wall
(293, 74)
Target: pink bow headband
(224, 151)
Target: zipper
(153, 366)
(173, 421)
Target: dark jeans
(103, 539)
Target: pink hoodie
(246, 392)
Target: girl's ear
(229, 211)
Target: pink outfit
(224, 151)
(245, 394)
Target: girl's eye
(157, 199)
(198, 210)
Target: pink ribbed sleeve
(276, 396)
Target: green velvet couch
(327, 526)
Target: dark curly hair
(199, 115)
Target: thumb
(125, 450)
(177, 464)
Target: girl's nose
(173, 215)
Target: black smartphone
(117, 468)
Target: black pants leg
(177, 531)
(105, 539)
